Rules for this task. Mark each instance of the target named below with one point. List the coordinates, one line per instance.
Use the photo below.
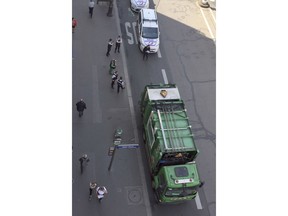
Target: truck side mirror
(201, 184)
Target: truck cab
(176, 183)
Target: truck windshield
(180, 192)
(150, 33)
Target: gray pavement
(106, 110)
(191, 67)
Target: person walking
(120, 84)
(91, 7)
(114, 78)
(83, 159)
(100, 192)
(74, 24)
(110, 44)
(112, 66)
(80, 107)
(146, 51)
(92, 187)
(118, 43)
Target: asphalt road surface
(187, 57)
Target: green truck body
(169, 144)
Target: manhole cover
(134, 195)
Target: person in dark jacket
(146, 51)
(120, 84)
(92, 187)
(110, 44)
(80, 107)
(83, 159)
(114, 78)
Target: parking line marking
(159, 53)
(212, 15)
(164, 76)
(207, 23)
(198, 202)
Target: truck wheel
(144, 136)
(156, 197)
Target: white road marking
(206, 23)
(129, 34)
(135, 34)
(164, 76)
(198, 202)
(212, 14)
(159, 53)
(134, 125)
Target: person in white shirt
(110, 44)
(118, 43)
(91, 7)
(100, 192)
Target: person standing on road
(120, 84)
(110, 44)
(91, 7)
(146, 51)
(114, 78)
(118, 43)
(80, 107)
(74, 24)
(83, 159)
(92, 187)
(112, 66)
(100, 192)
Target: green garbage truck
(169, 144)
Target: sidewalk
(106, 111)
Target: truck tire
(144, 136)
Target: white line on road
(198, 202)
(134, 30)
(212, 15)
(207, 23)
(134, 125)
(164, 76)
(159, 53)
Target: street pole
(117, 141)
(110, 165)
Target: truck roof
(167, 126)
(173, 130)
(171, 122)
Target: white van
(148, 30)
(137, 5)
